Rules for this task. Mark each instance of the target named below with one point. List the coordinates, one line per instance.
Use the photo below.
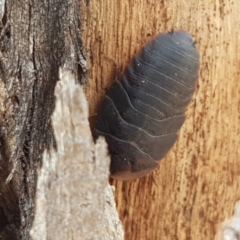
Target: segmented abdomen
(143, 111)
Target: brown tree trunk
(198, 182)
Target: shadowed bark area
(37, 37)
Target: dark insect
(143, 111)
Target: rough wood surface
(198, 182)
(74, 198)
(37, 38)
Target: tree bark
(37, 38)
(197, 184)
(74, 199)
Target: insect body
(143, 111)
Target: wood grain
(197, 184)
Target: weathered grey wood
(74, 198)
(230, 228)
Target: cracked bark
(37, 37)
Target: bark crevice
(37, 38)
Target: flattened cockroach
(143, 110)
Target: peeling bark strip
(73, 193)
(37, 37)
